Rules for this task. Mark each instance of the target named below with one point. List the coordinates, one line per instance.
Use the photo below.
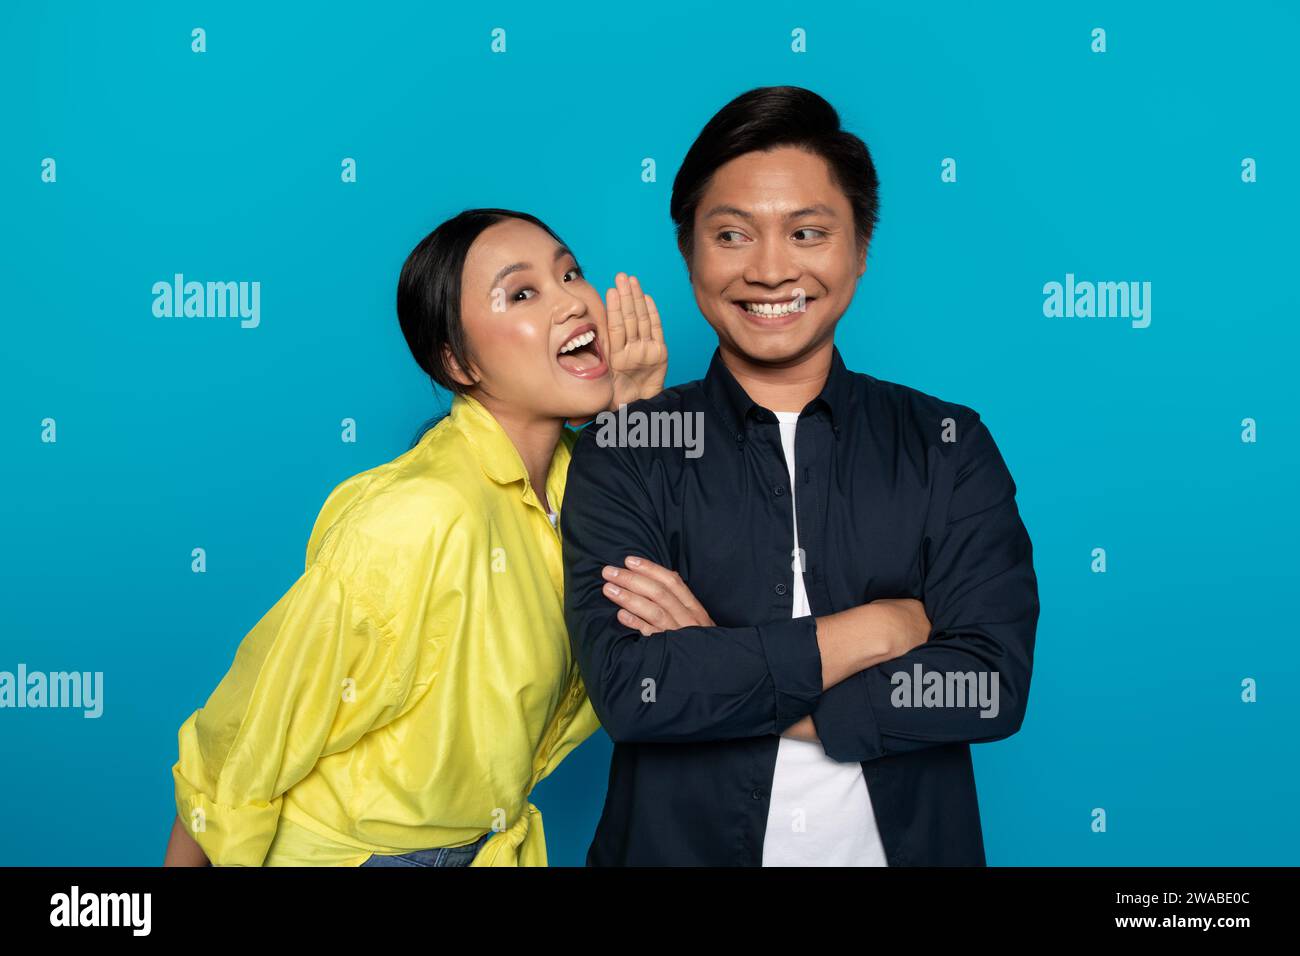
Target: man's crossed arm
(671, 674)
(653, 599)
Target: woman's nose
(572, 308)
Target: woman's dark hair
(760, 120)
(428, 295)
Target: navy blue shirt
(899, 495)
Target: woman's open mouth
(580, 355)
(774, 314)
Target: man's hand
(862, 637)
(869, 634)
(902, 624)
(802, 729)
(652, 598)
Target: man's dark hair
(763, 119)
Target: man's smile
(769, 314)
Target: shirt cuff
(795, 663)
(846, 722)
(228, 836)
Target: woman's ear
(458, 374)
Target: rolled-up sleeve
(313, 676)
(981, 596)
(689, 684)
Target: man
(794, 633)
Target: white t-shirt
(821, 812)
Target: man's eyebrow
(725, 210)
(560, 253)
(817, 208)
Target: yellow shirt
(411, 688)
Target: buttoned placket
(549, 543)
(760, 444)
(814, 459)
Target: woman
(398, 704)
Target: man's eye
(727, 234)
(811, 233)
(520, 295)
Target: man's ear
(458, 374)
(862, 257)
(686, 258)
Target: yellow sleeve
(314, 675)
(575, 722)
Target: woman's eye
(575, 272)
(518, 296)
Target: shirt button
(778, 490)
(779, 589)
(756, 794)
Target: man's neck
(786, 388)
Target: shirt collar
(736, 406)
(496, 453)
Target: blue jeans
(437, 856)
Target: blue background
(179, 433)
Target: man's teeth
(770, 308)
(577, 342)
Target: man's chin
(774, 348)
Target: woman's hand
(637, 354)
(633, 339)
(652, 598)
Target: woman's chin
(596, 398)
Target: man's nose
(771, 264)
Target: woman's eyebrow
(560, 253)
(506, 270)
